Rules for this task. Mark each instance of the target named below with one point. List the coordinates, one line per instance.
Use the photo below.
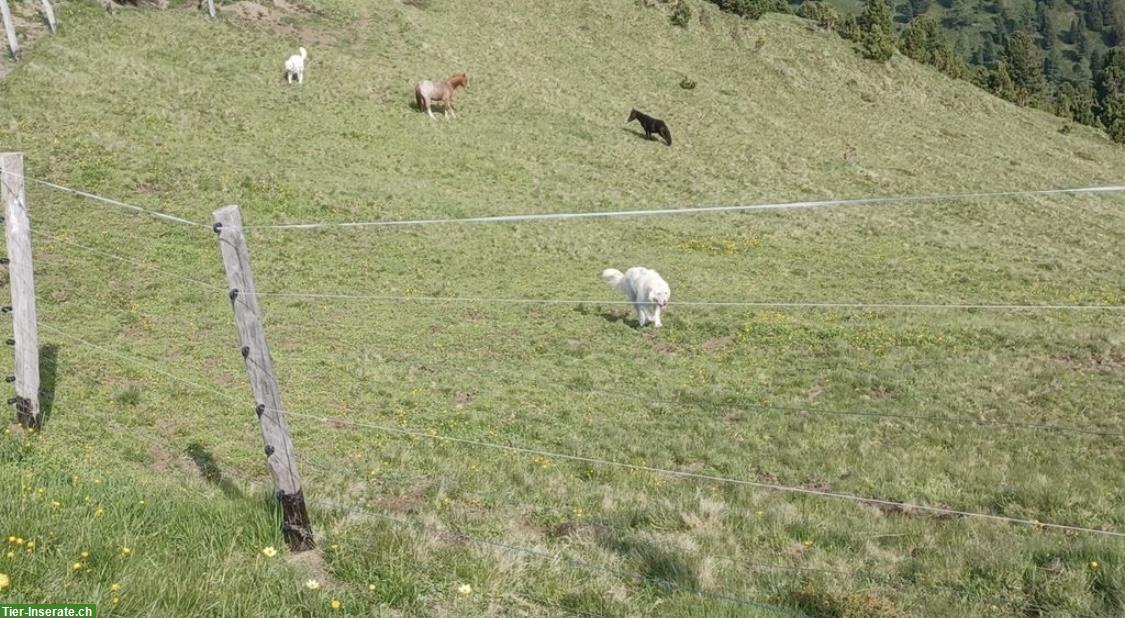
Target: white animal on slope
(295, 66)
(645, 288)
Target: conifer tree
(877, 32)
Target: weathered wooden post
(49, 12)
(25, 337)
(280, 458)
(10, 29)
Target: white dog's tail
(613, 277)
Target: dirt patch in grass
(570, 529)
(817, 485)
(1106, 363)
(404, 504)
(717, 344)
(274, 18)
(899, 509)
(312, 566)
(763, 476)
(464, 397)
(664, 348)
(881, 392)
(165, 461)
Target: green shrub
(925, 42)
(681, 14)
(876, 31)
(752, 9)
(824, 14)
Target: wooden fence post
(280, 458)
(21, 279)
(10, 29)
(49, 11)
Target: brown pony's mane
(458, 79)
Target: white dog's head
(660, 294)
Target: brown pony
(427, 92)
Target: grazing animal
(645, 288)
(295, 66)
(427, 92)
(651, 126)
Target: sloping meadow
(393, 343)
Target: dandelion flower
(84, 554)
(125, 551)
(335, 603)
(270, 552)
(76, 566)
(11, 539)
(1094, 565)
(335, 547)
(465, 589)
(371, 587)
(11, 554)
(56, 503)
(5, 581)
(115, 586)
(312, 584)
(141, 502)
(30, 545)
(99, 512)
(116, 600)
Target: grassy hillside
(149, 401)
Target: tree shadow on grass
(210, 471)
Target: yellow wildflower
(371, 587)
(76, 566)
(116, 600)
(5, 581)
(335, 604)
(125, 551)
(465, 589)
(115, 586)
(84, 554)
(270, 552)
(312, 584)
(1094, 565)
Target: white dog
(295, 66)
(645, 288)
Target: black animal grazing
(651, 126)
